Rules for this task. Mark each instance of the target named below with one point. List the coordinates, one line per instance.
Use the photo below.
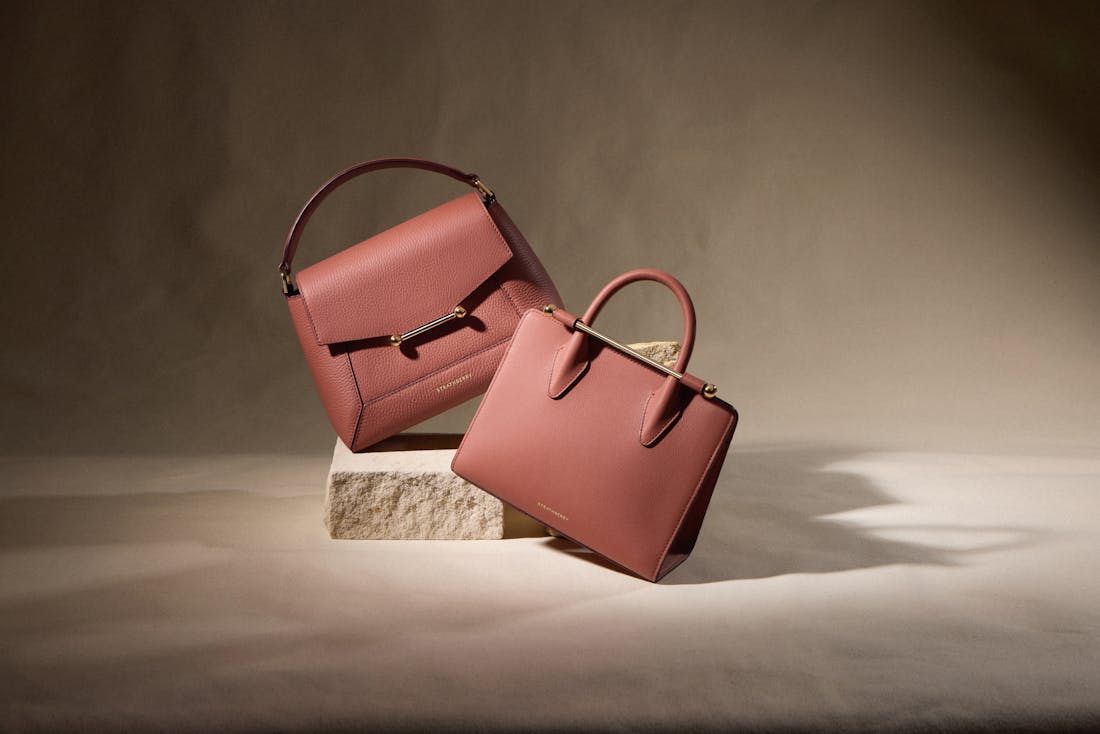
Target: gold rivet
(395, 340)
(549, 308)
(460, 312)
(709, 391)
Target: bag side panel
(332, 373)
(523, 278)
(683, 542)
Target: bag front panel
(431, 395)
(405, 276)
(381, 368)
(331, 373)
(577, 463)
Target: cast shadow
(768, 518)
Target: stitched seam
(418, 380)
(663, 428)
(500, 238)
(362, 407)
(309, 316)
(694, 494)
(351, 367)
(496, 229)
(580, 373)
(507, 295)
(491, 383)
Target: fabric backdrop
(886, 212)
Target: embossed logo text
(455, 381)
(552, 511)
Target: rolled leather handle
(659, 276)
(378, 164)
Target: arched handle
(571, 362)
(662, 407)
(687, 343)
(378, 164)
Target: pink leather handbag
(412, 321)
(609, 448)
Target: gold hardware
(581, 326)
(487, 194)
(458, 313)
(288, 284)
(549, 308)
(709, 390)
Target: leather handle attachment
(290, 246)
(687, 343)
(572, 361)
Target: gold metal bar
(487, 194)
(581, 326)
(458, 313)
(288, 283)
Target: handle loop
(663, 407)
(687, 343)
(290, 246)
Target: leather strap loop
(295, 234)
(663, 407)
(658, 276)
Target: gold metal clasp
(398, 339)
(288, 283)
(708, 391)
(487, 194)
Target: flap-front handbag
(609, 448)
(412, 321)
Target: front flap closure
(406, 276)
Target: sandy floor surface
(832, 587)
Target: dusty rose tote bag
(612, 450)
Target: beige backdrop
(887, 213)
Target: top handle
(687, 343)
(572, 362)
(663, 406)
(378, 164)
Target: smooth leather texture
(580, 462)
(466, 252)
(663, 407)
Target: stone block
(403, 488)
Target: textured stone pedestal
(403, 488)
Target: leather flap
(406, 276)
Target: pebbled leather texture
(290, 246)
(579, 463)
(523, 278)
(348, 305)
(440, 257)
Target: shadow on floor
(766, 520)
